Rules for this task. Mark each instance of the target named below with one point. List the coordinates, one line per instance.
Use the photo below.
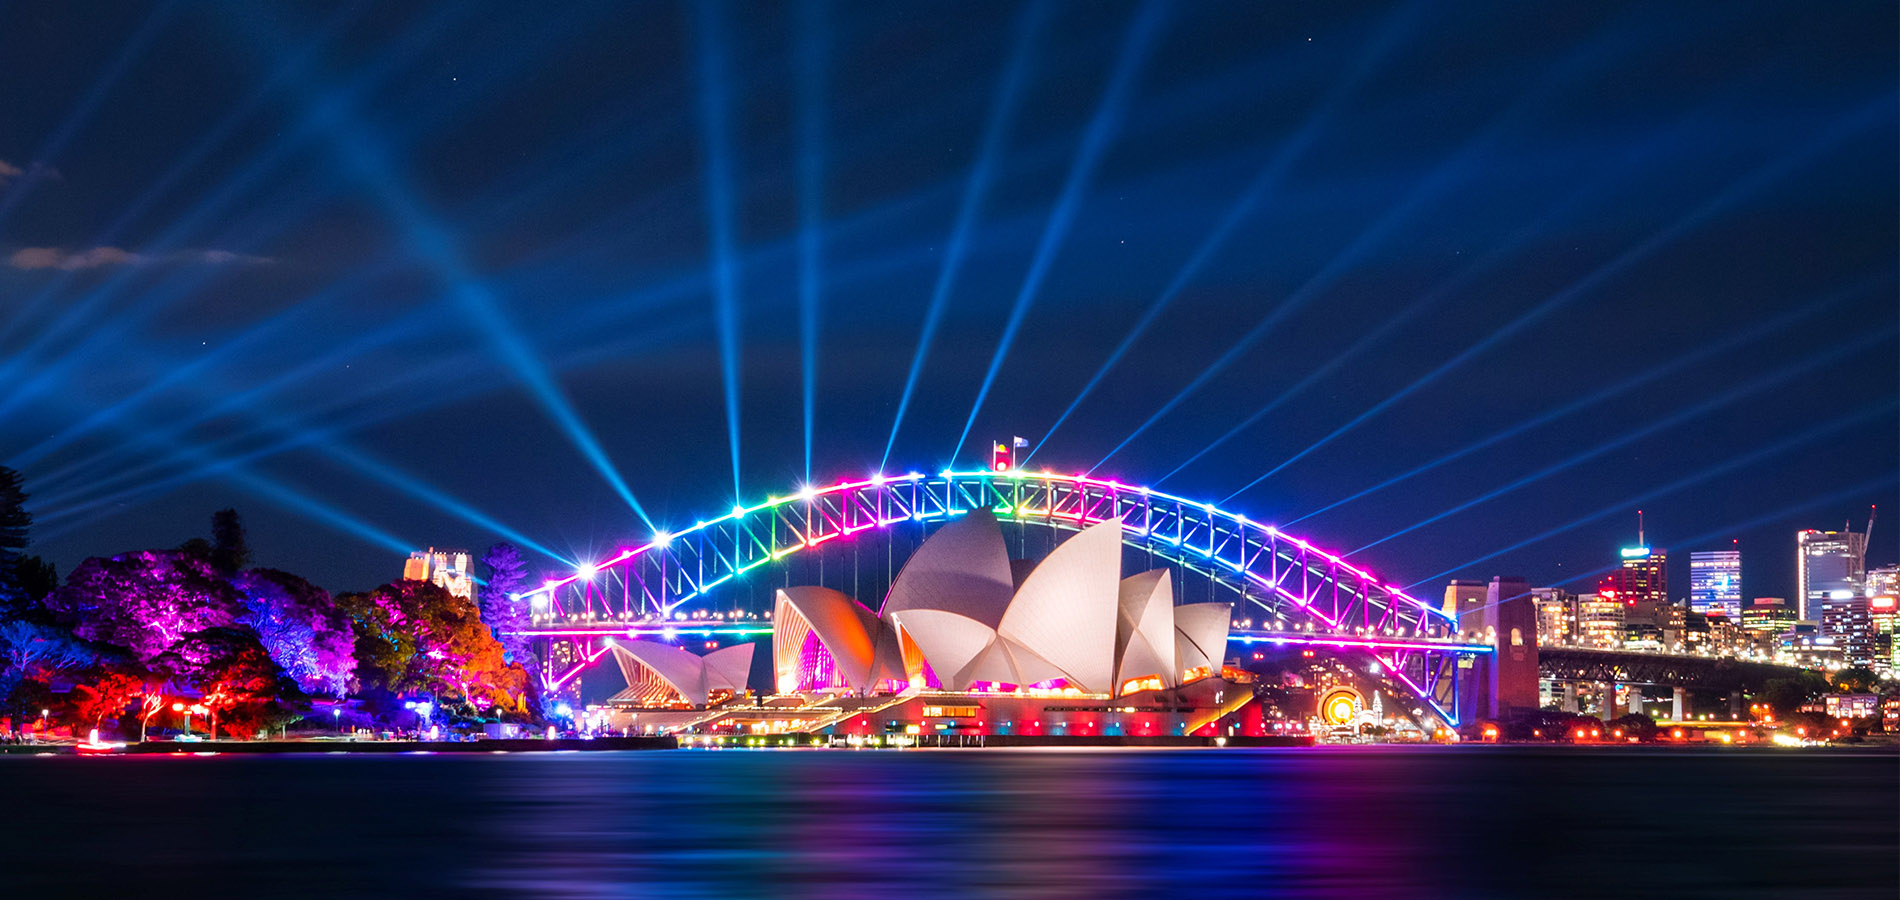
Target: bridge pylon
(1504, 617)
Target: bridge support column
(1636, 698)
(1606, 701)
(1735, 706)
(1680, 704)
(1570, 696)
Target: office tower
(1715, 583)
(1829, 565)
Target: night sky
(385, 276)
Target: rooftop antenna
(1639, 530)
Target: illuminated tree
(413, 636)
(107, 695)
(145, 601)
(234, 677)
(506, 617)
(304, 630)
(31, 654)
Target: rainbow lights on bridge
(639, 591)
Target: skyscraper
(1642, 586)
(1829, 565)
(1715, 583)
(1883, 613)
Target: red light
(999, 457)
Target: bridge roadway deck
(707, 630)
(1560, 663)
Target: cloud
(55, 258)
(10, 173)
(30, 258)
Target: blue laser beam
(995, 130)
(1652, 375)
(811, 173)
(1101, 131)
(716, 152)
(49, 151)
(1734, 464)
(437, 247)
(1269, 176)
(1678, 229)
(1723, 399)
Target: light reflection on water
(1334, 823)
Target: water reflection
(1467, 822)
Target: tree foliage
(413, 636)
(230, 552)
(37, 577)
(145, 601)
(32, 654)
(1787, 695)
(34, 650)
(1857, 680)
(235, 677)
(14, 524)
(303, 629)
(506, 617)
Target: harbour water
(1465, 822)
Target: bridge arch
(1319, 596)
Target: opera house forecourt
(970, 646)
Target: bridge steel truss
(1413, 640)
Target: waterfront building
(1850, 706)
(447, 569)
(1725, 637)
(1600, 620)
(1556, 616)
(1829, 565)
(1848, 622)
(661, 675)
(1772, 615)
(1715, 582)
(1642, 584)
(1883, 613)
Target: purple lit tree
(145, 601)
(504, 615)
(304, 631)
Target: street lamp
(336, 716)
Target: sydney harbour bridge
(714, 582)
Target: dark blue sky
(384, 276)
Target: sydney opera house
(967, 642)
